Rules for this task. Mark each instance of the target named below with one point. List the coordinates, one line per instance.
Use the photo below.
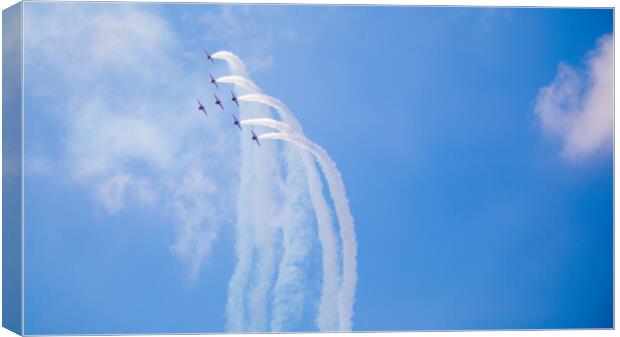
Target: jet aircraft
(255, 138)
(218, 102)
(201, 107)
(236, 122)
(214, 82)
(209, 56)
(234, 98)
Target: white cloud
(101, 139)
(248, 30)
(112, 192)
(144, 191)
(194, 206)
(132, 134)
(577, 107)
(97, 40)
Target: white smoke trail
(275, 103)
(265, 203)
(328, 315)
(290, 275)
(235, 309)
(328, 319)
(267, 122)
(235, 64)
(240, 81)
(338, 193)
(254, 228)
(328, 309)
(288, 290)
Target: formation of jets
(218, 102)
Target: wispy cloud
(194, 206)
(248, 30)
(577, 107)
(112, 192)
(132, 133)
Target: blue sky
(475, 205)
